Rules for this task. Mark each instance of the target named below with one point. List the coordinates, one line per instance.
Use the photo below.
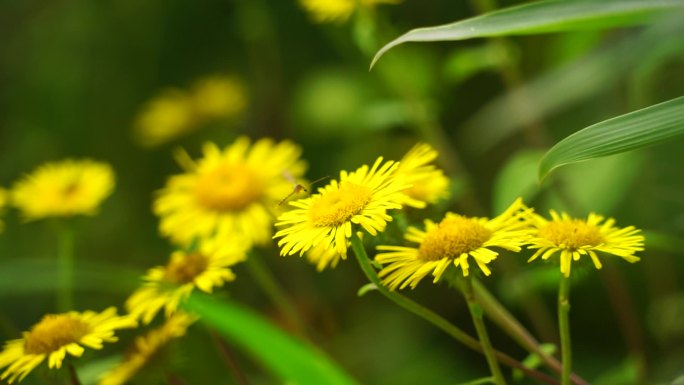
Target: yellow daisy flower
(576, 237)
(428, 182)
(361, 197)
(3, 202)
(452, 241)
(217, 97)
(166, 117)
(167, 286)
(324, 11)
(231, 192)
(55, 336)
(146, 349)
(62, 189)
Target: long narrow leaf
(292, 360)
(541, 17)
(623, 133)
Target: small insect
(298, 187)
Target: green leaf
(533, 360)
(480, 381)
(366, 288)
(541, 17)
(292, 360)
(613, 136)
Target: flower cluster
(229, 200)
(457, 238)
(175, 112)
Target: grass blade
(637, 129)
(541, 17)
(292, 360)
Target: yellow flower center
(185, 270)
(571, 234)
(228, 188)
(452, 237)
(337, 207)
(53, 332)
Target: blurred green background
(75, 74)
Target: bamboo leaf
(292, 360)
(541, 17)
(637, 129)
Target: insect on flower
(297, 187)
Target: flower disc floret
(573, 238)
(453, 237)
(337, 207)
(454, 240)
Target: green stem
(73, 376)
(510, 325)
(564, 327)
(65, 294)
(228, 358)
(476, 313)
(435, 319)
(265, 279)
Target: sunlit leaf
(541, 17)
(366, 288)
(613, 136)
(292, 360)
(533, 360)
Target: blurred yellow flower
(323, 257)
(428, 183)
(576, 237)
(324, 11)
(3, 202)
(452, 241)
(361, 197)
(174, 113)
(147, 349)
(167, 116)
(62, 189)
(217, 97)
(55, 336)
(229, 193)
(167, 286)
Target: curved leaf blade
(541, 17)
(292, 360)
(634, 130)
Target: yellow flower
(231, 193)
(167, 116)
(217, 97)
(147, 349)
(55, 336)
(323, 11)
(576, 237)
(167, 286)
(453, 240)
(323, 257)
(361, 197)
(3, 202)
(62, 189)
(428, 182)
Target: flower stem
(228, 358)
(478, 320)
(435, 319)
(65, 294)
(564, 327)
(270, 286)
(73, 376)
(496, 312)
